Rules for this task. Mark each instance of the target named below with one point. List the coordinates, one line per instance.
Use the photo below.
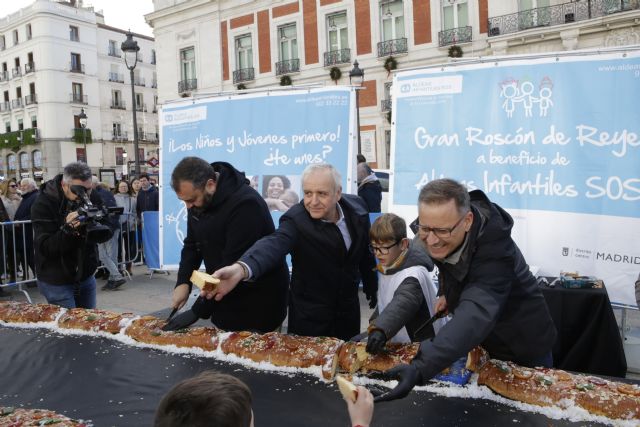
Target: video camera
(92, 216)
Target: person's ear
(468, 221)
(404, 243)
(210, 186)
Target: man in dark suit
(327, 235)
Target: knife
(433, 318)
(173, 313)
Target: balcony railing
(118, 104)
(5, 106)
(29, 67)
(559, 14)
(287, 66)
(243, 75)
(114, 52)
(392, 47)
(16, 103)
(115, 77)
(119, 136)
(4, 76)
(76, 68)
(78, 98)
(17, 72)
(31, 99)
(141, 107)
(385, 105)
(81, 135)
(187, 85)
(455, 36)
(334, 57)
(139, 81)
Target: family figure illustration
(520, 94)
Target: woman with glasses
(406, 294)
(10, 197)
(11, 200)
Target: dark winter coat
(24, 214)
(323, 300)
(62, 258)
(408, 308)
(236, 217)
(493, 296)
(371, 193)
(147, 200)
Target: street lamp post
(82, 118)
(130, 48)
(356, 77)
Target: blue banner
(548, 135)
(270, 136)
(554, 139)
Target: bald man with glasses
(484, 283)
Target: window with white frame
(24, 160)
(16, 39)
(187, 64)
(113, 48)
(139, 101)
(244, 52)
(29, 32)
(117, 130)
(455, 14)
(337, 31)
(533, 13)
(287, 42)
(392, 18)
(116, 98)
(37, 159)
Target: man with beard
(226, 216)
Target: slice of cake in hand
(204, 281)
(347, 388)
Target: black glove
(377, 340)
(359, 337)
(408, 377)
(181, 321)
(372, 297)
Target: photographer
(67, 223)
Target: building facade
(212, 46)
(58, 60)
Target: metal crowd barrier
(129, 245)
(17, 266)
(17, 255)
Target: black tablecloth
(588, 337)
(117, 385)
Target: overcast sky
(123, 14)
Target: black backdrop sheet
(588, 337)
(113, 384)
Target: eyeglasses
(441, 233)
(13, 185)
(383, 250)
